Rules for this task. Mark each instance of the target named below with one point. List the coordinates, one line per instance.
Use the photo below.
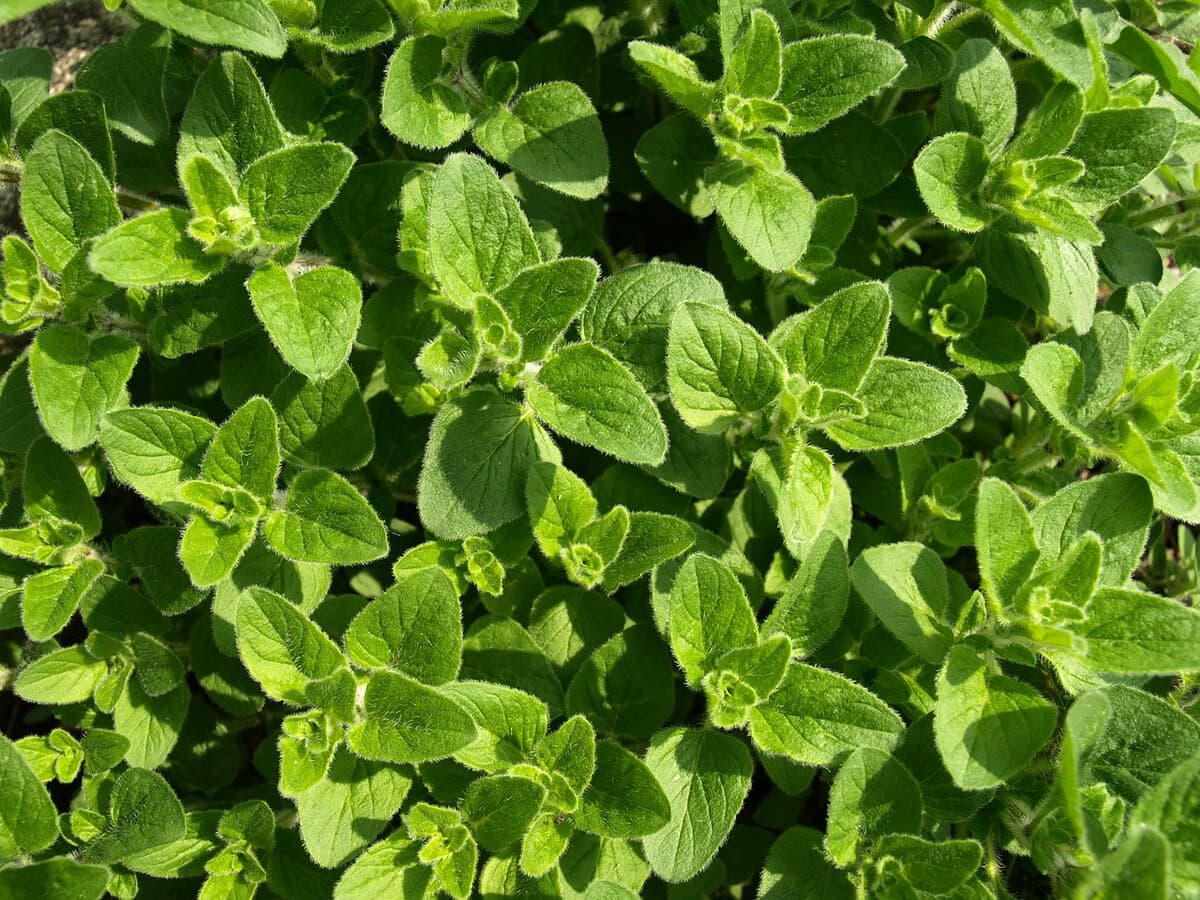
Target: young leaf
(583, 393)
(979, 97)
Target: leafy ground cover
(498, 448)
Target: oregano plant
(502, 448)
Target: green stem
(1161, 211)
(904, 228)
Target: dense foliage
(500, 448)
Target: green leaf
(26, 74)
(244, 452)
(906, 402)
(1118, 148)
(1004, 541)
(1130, 631)
(65, 198)
(543, 300)
(350, 806)
(560, 505)
(815, 599)
(1170, 332)
(624, 798)
(312, 320)
(129, 76)
(987, 726)
(325, 519)
(285, 190)
(143, 812)
(76, 379)
(836, 343)
(819, 717)
(753, 68)
(551, 135)
(1116, 506)
(583, 393)
(797, 864)
(28, 819)
(950, 172)
(324, 424)
(282, 648)
(1173, 809)
(406, 722)
(1138, 866)
(499, 809)
(61, 676)
(419, 106)
(710, 616)
(873, 795)
(626, 686)
(825, 77)
(720, 370)
(210, 550)
(59, 876)
(652, 538)
(905, 586)
(508, 724)
(154, 450)
(249, 25)
(979, 97)
(153, 249)
(480, 449)
(770, 214)
(229, 118)
(49, 598)
(414, 627)
(706, 776)
(479, 238)
(630, 313)
(54, 488)
(676, 75)
(499, 650)
(1048, 273)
